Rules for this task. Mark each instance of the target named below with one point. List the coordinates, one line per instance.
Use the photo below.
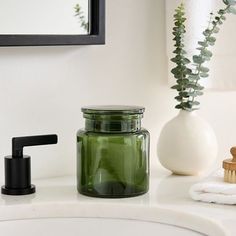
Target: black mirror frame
(97, 35)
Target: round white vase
(187, 144)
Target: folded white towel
(214, 190)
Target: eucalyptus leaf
(226, 2)
(177, 23)
(178, 98)
(207, 58)
(192, 86)
(231, 2)
(204, 44)
(232, 10)
(204, 69)
(199, 93)
(185, 61)
(211, 43)
(207, 32)
(206, 53)
(179, 106)
(175, 71)
(214, 23)
(194, 77)
(200, 48)
(184, 94)
(211, 39)
(196, 93)
(200, 87)
(179, 51)
(182, 81)
(177, 75)
(174, 59)
(177, 87)
(198, 59)
(216, 30)
(187, 105)
(187, 71)
(204, 75)
(194, 103)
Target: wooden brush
(229, 166)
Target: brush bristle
(230, 176)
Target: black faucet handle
(18, 143)
(18, 167)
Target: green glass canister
(113, 152)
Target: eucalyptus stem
(208, 34)
(181, 71)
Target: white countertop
(167, 202)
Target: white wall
(43, 88)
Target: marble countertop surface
(167, 202)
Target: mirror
(52, 22)
(48, 17)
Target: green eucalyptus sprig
(80, 14)
(181, 71)
(187, 78)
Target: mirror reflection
(44, 17)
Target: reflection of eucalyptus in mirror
(80, 14)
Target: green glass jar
(113, 152)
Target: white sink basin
(89, 227)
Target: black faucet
(17, 166)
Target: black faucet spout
(18, 143)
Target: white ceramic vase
(187, 144)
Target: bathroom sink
(58, 210)
(89, 227)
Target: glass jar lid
(113, 109)
(115, 118)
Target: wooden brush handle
(233, 152)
